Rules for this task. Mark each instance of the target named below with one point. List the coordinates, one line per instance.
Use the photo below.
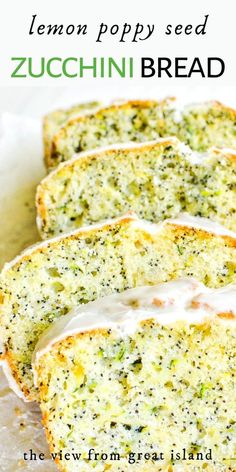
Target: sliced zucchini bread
(47, 280)
(53, 121)
(132, 380)
(157, 180)
(200, 126)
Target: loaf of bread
(200, 126)
(157, 180)
(47, 280)
(55, 120)
(143, 380)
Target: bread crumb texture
(162, 388)
(200, 126)
(156, 180)
(50, 279)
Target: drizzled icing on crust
(185, 299)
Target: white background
(15, 22)
(219, 41)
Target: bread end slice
(54, 120)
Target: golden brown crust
(227, 315)
(46, 141)
(203, 234)
(113, 107)
(41, 209)
(65, 342)
(49, 439)
(226, 153)
(8, 358)
(221, 106)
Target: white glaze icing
(184, 219)
(225, 151)
(222, 300)
(178, 107)
(196, 158)
(166, 303)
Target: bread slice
(46, 281)
(200, 126)
(147, 371)
(54, 120)
(157, 180)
